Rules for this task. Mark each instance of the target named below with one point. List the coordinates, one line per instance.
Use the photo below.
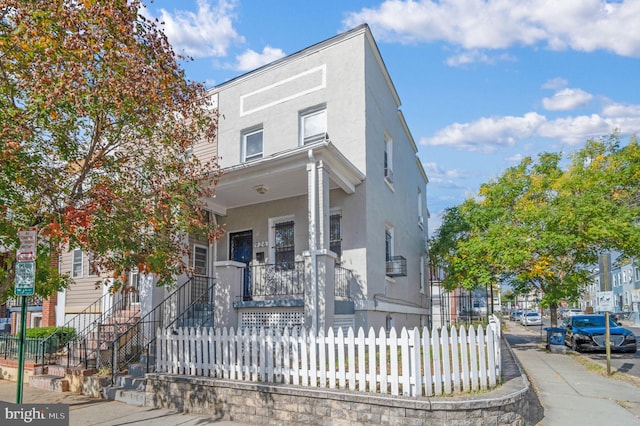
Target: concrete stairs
(130, 388)
(53, 378)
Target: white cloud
(207, 33)
(251, 60)
(517, 158)
(555, 84)
(477, 56)
(567, 99)
(487, 134)
(499, 24)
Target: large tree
(542, 226)
(97, 126)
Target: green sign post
(25, 285)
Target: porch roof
(282, 175)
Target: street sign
(25, 278)
(605, 301)
(28, 244)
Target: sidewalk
(568, 391)
(100, 412)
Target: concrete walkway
(568, 391)
(100, 412)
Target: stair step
(56, 370)
(131, 382)
(49, 382)
(128, 396)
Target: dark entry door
(241, 250)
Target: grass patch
(602, 370)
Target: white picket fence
(415, 363)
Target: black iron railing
(343, 279)
(269, 281)
(190, 305)
(9, 346)
(95, 327)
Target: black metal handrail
(89, 325)
(129, 344)
(342, 282)
(269, 280)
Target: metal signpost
(24, 286)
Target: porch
(271, 295)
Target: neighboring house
(323, 199)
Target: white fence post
(435, 363)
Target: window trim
(74, 262)
(245, 135)
(206, 260)
(272, 235)
(332, 214)
(388, 159)
(309, 113)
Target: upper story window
(388, 243)
(313, 126)
(76, 263)
(420, 212)
(252, 145)
(388, 159)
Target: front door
(241, 250)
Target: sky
(483, 83)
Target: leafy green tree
(97, 126)
(541, 226)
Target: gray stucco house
(322, 197)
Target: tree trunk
(554, 314)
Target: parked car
(530, 318)
(568, 313)
(587, 333)
(515, 315)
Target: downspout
(312, 241)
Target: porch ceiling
(283, 175)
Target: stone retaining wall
(513, 403)
(283, 404)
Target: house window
(200, 260)
(335, 234)
(252, 145)
(93, 266)
(420, 217)
(284, 245)
(313, 126)
(76, 263)
(388, 244)
(388, 160)
(134, 283)
(422, 259)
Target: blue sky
(483, 83)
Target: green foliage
(98, 124)
(63, 334)
(541, 226)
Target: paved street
(622, 362)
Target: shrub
(62, 334)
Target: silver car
(531, 318)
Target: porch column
(319, 264)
